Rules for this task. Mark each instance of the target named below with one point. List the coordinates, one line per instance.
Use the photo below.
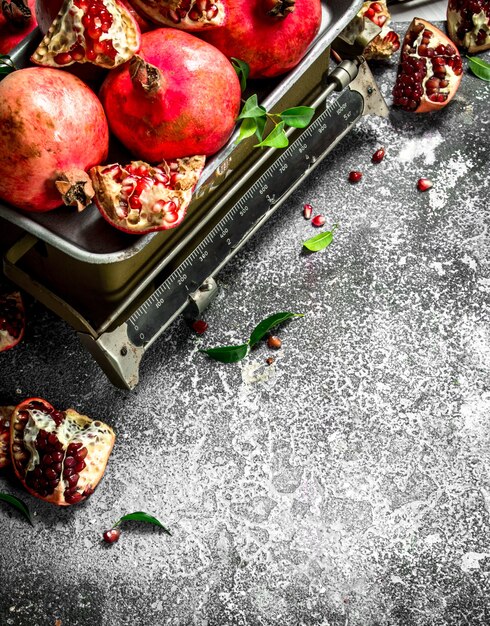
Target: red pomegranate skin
(194, 111)
(11, 34)
(270, 45)
(51, 122)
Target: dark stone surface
(345, 485)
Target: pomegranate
(5, 413)
(53, 128)
(16, 22)
(12, 320)
(191, 15)
(59, 456)
(272, 36)
(101, 32)
(468, 24)
(138, 198)
(167, 105)
(430, 69)
(384, 45)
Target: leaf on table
(320, 241)
(227, 354)
(17, 504)
(261, 330)
(140, 516)
(479, 67)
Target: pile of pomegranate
(58, 456)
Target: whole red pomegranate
(180, 98)
(102, 32)
(12, 320)
(53, 129)
(138, 198)
(468, 24)
(59, 456)
(430, 69)
(191, 15)
(272, 36)
(16, 22)
(5, 414)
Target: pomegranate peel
(5, 414)
(190, 15)
(139, 198)
(102, 32)
(12, 320)
(430, 69)
(468, 24)
(59, 456)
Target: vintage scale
(120, 292)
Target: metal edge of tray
(337, 17)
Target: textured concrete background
(345, 485)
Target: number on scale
(224, 233)
(283, 167)
(159, 303)
(203, 255)
(182, 279)
(243, 210)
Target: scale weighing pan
(118, 291)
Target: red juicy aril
(180, 98)
(102, 32)
(430, 69)
(16, 22)
(191, 15)
(5, 414)
(12, 320)
(139, 198)
(272, 36)
(59, 456)
(53, 128)
(387, 42)
(468, 24)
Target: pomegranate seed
(378, 156)
(355, 176)
(69, 461)
(424, 184)
(81, 454)
(274, 342)
(200, 327)
(112, 535)
(318, 220)
(270, 360)
(307, 211)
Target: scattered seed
(307, 211)
(355, 176)
(270, 360)
(424, 184)
(318, 220)
(378, 156)
(199, 327)
(274, 342)
(112, 535)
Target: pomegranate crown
(279, 8)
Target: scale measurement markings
(146, 323)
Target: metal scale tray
(96, 277)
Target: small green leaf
(261, 122)
(18, 504)
(261, 330)
(228, 354)
(479, 67)
(139, 516)
(321, 241)
(252, 108)
(276, 139)
(299, 117)
(6, 65)
(242, 69)
(247, 129)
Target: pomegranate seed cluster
(97, 22)
(200, 10)
(376, 13)
(467, 11)
(425, 69)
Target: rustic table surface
(346, 484)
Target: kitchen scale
(120, 295)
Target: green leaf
(139, 516)
(479, 67)
(6, 65)
(228, 354)
(252, 108)
(321, 241)
(261, 122)
(247, 129)
(242, 69)
(18, 504)
(299, 117)
(276, 139)
(261, 330)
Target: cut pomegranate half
(140, 198)
(5, 415)
(191, 15)
(468, 24)
(102, 32)
(59, 456)
(430, 69)
(12, 320)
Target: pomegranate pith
(191, 15)
(5, 415)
